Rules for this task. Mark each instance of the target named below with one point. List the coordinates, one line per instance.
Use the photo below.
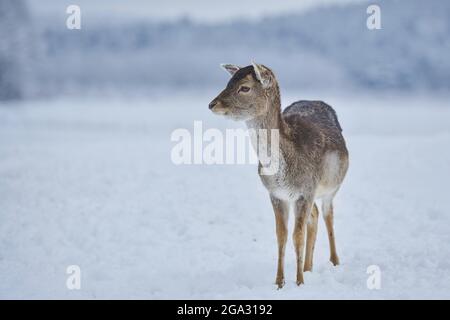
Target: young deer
(313, 157)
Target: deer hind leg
(311, 235)
(281, 210)
(302, 210)
(327, 208)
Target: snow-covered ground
(90, 182)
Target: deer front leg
(302, 211)
(281, 211)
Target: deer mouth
(220, 111)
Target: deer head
(246, 94)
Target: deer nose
(213, 104)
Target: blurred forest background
(327, 47)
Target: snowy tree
(14, 48)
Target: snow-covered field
(90, 182)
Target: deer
(313, 158)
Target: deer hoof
(334, 260)
(279, 283)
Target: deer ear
(230, 68)
(262, 74)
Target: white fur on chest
(286, 194)
(279, 187)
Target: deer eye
(244, 89)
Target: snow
(89, 182)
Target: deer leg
(303, 209)
(327, 207)
(311, 235)
(281, 211)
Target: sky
(199, 10)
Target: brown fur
(311, 233)
(313, 161)
(281, 219)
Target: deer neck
(263, 127)
(272, 119)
